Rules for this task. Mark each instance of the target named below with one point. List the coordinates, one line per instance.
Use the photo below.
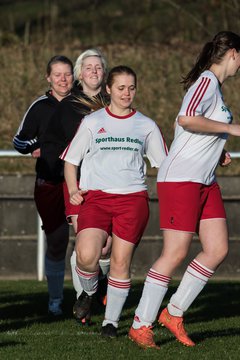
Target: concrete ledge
(18, 258)
(18, 231)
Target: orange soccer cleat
(175, 325)
(143, 337)
(101, 293)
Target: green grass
(28, 333)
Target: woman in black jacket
(48, 192)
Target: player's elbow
(183, 121)
(20, 146)
(21, 150)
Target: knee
(221, 254)
(119, 267)
(86, 260)
(56, 252)
(57, 243)
(216, 256)
(177, 257)
(169, 261)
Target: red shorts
(50, 204)
(126, 215)
(183, 204)
(70, 210)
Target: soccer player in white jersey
(189, 197)
(111, 143)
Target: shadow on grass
(10, 344)
(20, 310)
(218, 300)
(204, 335)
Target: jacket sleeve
(63, 125)
(26, 139)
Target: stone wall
(18, 231)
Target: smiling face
(122, 92)
(91, 75)
(61, 79)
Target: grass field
(28, 333)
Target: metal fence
(40, 232)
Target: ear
(48, 79)
(233, 53)
(108, 89)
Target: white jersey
(195, 156)
(112, 150)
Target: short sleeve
(199, 97)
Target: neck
(91, 92)
(58, 97)
(219, 72)
(119, 111)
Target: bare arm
(202, 124)
(70, 174)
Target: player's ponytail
(212, 53)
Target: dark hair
(58, 59)
(212, 53)
(118, 70)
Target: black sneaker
(109, 331)
(87, 321)
(84, 321)
(82, 306)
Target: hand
(225, 159)
(76, 197)
(106, 250)
(36, 153)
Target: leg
(57, 243)
(129, 220)
(121, 257)
(175, 248)
(213, 236)
(73, 261)
(74, 223)
(75, 279)
(88, 248)
(50, 205)
(214, 239)
(104, 264)
(118, 284)
(89, 244)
